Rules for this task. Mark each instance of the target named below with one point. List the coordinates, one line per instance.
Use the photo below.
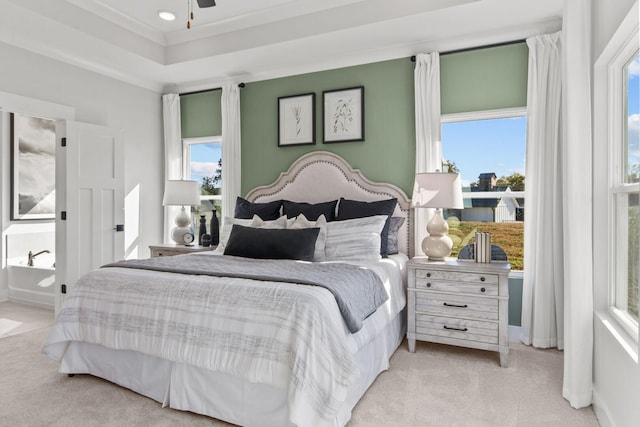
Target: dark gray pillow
(267, 211)
(392, 242)
(311, 211)
(350, 209)
(271, 243)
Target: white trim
(202, 140)
(626, 341)
(514, 333)
(614, 60)
(491, 194)
(516, 274)
(500, 113)
(12, 103)
(603, 414)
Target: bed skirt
(216, 394)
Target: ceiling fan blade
(206, 3)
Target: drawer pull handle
(446, 304)
(455, 329)
(482, 289)
(482, 279)
(428, 285)
(428, 274)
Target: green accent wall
(475, 80)
(201, 114)
(388, 151)
(484, 79)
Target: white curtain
(577, 169)
(542, 293)
(172, 153)
(557, 303)
(230, 148)
(428, 142)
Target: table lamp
(437, 190)
(181, 193)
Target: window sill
(516, 274)
(619, 333)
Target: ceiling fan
(206, 3)
(201, 4)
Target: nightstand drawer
(171, 250)
(458, 287)
(449, 327)
(165, 252)
(456, 305)
(456, 276)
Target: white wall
(616, 371)
(108, 102)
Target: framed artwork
(33, 167)
(343, 115)
(297, 120)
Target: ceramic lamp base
(438, 245)
(182, 227)
(437, 248)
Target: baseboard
(39, 299)
(601, 410)
(514, 333)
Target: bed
(280, 354)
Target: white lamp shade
(437, 190)
(181, 193)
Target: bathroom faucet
(32, 256)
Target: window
(488, 150)
(624, 188)
(202, 159)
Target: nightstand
(461, 303)
(169, 250)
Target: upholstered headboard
(321, 176)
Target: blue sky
(204, 160)
(633, 108)
(480, 146)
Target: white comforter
(290, 336)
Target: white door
(89, 201)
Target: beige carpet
(437, 386)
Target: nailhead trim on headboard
(352, 177)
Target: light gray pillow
(301, 221)
(354, 239)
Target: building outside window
(202, 159)
(487, 149)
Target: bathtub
(33, 285)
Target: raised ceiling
(248, 40)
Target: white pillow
(255, 222)
(354, 239)
(301, 221)
(258, 222)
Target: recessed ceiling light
(166, 15)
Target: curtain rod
(468, 49)
(240, 85)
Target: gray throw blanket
(357, 290)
